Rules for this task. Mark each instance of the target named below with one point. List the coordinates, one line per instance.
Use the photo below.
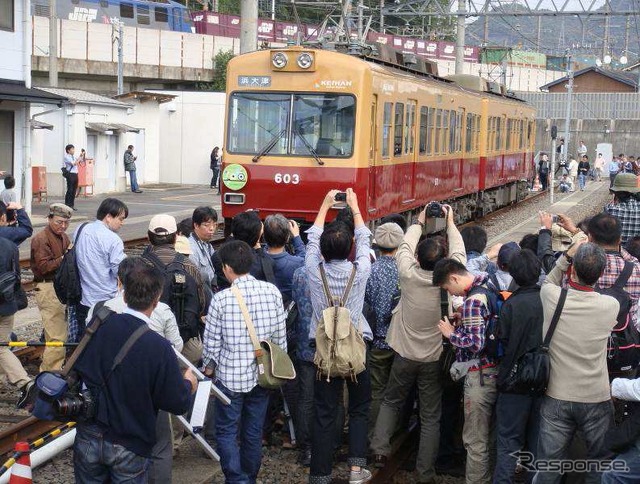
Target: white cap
(163, 224)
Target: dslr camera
(434, 210)
(78, 406)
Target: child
(8, 195)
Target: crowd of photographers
(509, 358)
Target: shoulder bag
(530, 373)
(274, 365)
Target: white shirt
(162, 320)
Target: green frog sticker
(235, 177)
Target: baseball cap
(163, 224)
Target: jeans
(404, 374)
(612, 177)
(214, 178)
(82, 312)
(326, 402)
(306, 378)
(380, 362)
(582, 180)
(239, 433)
(544, 179)
(96, 460)
(559, 421)
(518, 420)
(72, 186)
(479, 403)
(632, 459)
(162, 452)
(134, 181)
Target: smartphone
(341, 197)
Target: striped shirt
(338, 272)
(226, 339)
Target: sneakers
(27, 395)
(359, 477)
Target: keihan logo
(235, 177)
(333, 84)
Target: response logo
(235, 177)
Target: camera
(79, 405)
(434, 210)
(341, 197)
(554, 219)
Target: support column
(248, 26)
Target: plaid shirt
(615, 265)
(226, 338)
(468, 338)
(629, 215)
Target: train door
(457, 118)
(373, 135)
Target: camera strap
(100, 314)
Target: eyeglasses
(61, 223)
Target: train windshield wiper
(313, 152)
(269, 146)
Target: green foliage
(229, 6)
(219, 82)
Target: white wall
(146, 115)
(70, 127)
(188, 134)
(12, 47)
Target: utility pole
(53, 44)
(627, 26)
(119, 38)
(248, 26)
(605, 43)
(360, 20)
(462, 10)
(567, 121)
(382, 17)
(273, 9)
(539, 31)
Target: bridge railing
(84, 41)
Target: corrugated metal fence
(620, 105)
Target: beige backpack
(340, 348)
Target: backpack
(623, 348)
(180, 293)
(66, 281)
(495, 299)
(340, 348)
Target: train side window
(398, 127)
(438, 131)
(430, 129)
(143, 14)
(104, 3)
(161, 14)
(386, 129)
(410, 123)
(468, 145)
(453, 128)
(444, 146)
(424, 121)
(476, 138)
(499, 127)
(509, 133)
(126, 10)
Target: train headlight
(305, 60)
(279, 60)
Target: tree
(219, 82)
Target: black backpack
(623, 349)
(180, 293)
(492, 345)
(66, 281)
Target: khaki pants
(9, 363)
(477, 433)
(54, 324)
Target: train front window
(291, 124)
(325, 121)
(257, 121)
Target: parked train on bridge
(158, 14)
(302, 121)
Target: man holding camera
(116, 433)
(416, 339)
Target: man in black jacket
(19, 232)
(115, 445)
(520, 330)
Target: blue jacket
(147, 380)
(19, 233)
(9, 261)
(285, 264)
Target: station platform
(176, 200)
(565, 204)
